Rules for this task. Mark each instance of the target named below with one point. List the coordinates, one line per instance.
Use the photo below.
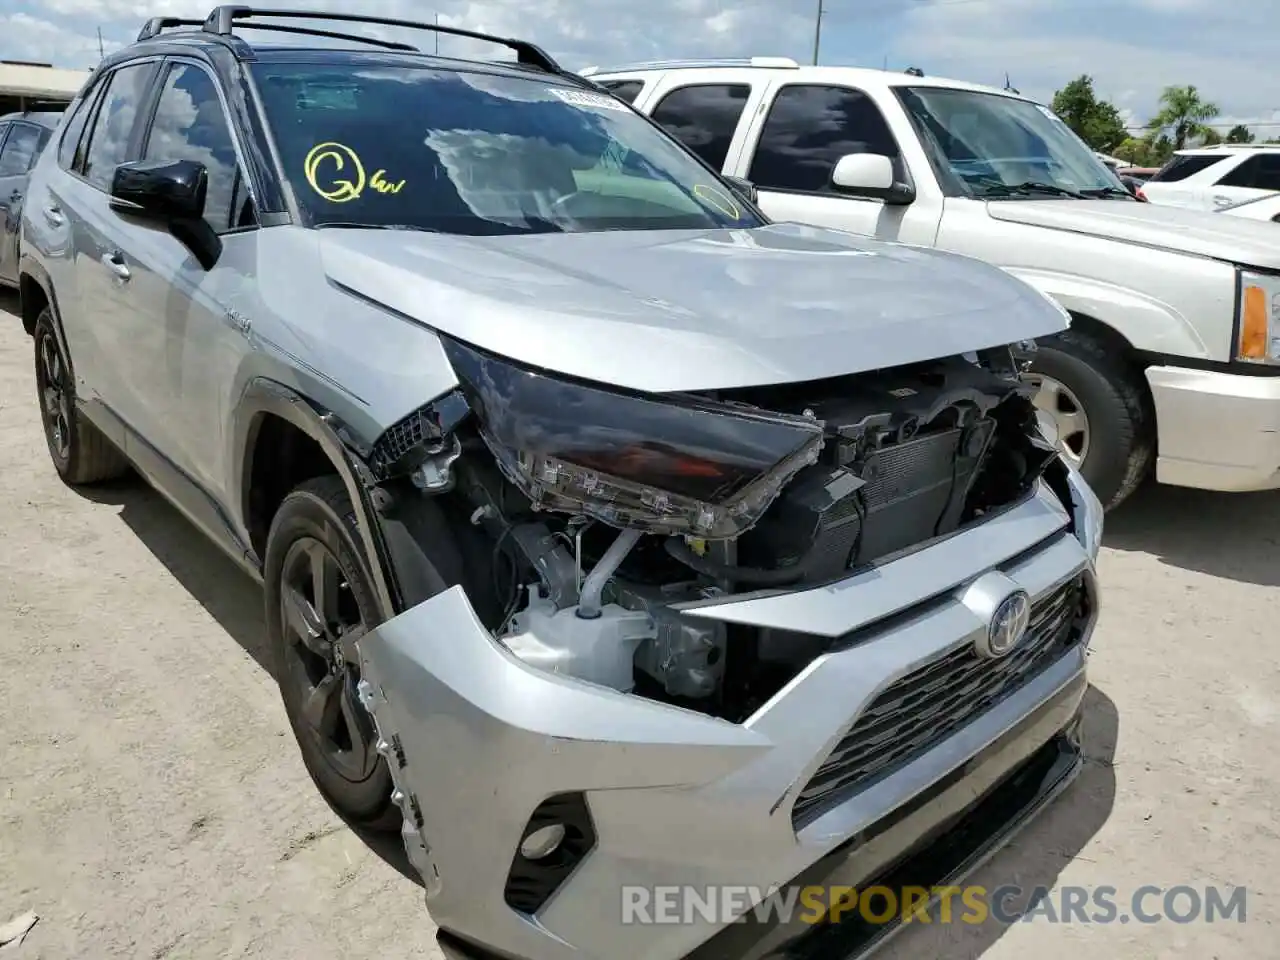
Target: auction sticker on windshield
(584, 98)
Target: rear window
(1183, 166)
(626, 90)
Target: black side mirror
(744, 188)
(170, 193)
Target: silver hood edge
(672, 311)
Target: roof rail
(224, 18)
(156, 25)
(1237, 146)
(785, 63)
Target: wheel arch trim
(29, 267)
(263, 396)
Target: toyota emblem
(1007, 628)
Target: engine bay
(907, 456)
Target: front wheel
(1095, 403)
(319, 602)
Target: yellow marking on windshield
(380, 183)
(339, 190)
(718, 199)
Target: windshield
(479, 154)
(995, 147)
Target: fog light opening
(543, 842)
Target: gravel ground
(153, 805)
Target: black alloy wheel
(322, 621)
(319, 603)
(53, 386)
(80, 452)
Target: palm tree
(1183, 112)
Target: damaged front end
(666, 623)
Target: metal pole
(817, 34)
(437, 35)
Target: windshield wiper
(1100, 192)
(993, 187)
(346, 225)
(1039, 186)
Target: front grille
(918, 711)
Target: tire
(81, 453)
(1120, 419)
(319, 512)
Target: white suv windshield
(995, 147)
(479, 154)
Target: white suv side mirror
(869, 175)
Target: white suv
(1173, 356)
(1210, 178)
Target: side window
(809, 128)
(704, 117)
(626, 90)
(1268, 177)
(1242, 174)
(190, 124)
(19, 150)
(113, 125)
(1182, 166)
(73, 129)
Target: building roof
(40, 81)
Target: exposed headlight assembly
(1258, 317)
(670, 465)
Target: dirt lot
(152, 803)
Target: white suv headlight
(1259, 318)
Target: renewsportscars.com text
(968, 904)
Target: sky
(1132, 48)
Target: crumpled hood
(686, 310)
(1201, 233)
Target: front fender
(1144, 321)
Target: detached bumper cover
(1218, 431)
(478, 741)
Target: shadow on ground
(1038, 854)
(1235, 536)
(228, 593)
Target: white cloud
(1132, 48)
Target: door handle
(1220, 201)
(53, 216)
(115, 263)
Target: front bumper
(478, 740)
(1218, 431)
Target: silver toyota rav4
(612, 537)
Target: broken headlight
(669, 465)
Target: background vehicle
(550, 452)
(22, 137)
(1263, 208)
(1154, 367)
(1208, 178)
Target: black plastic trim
(262, 396)
(1234, 367)
(531, 883)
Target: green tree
(1096, 122)
(1210, 137)
(1183, 115)
(1240, 134)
